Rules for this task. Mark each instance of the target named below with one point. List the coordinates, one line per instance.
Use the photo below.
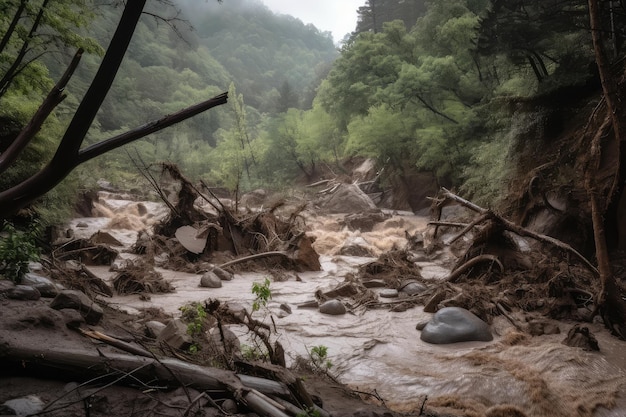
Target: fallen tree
(258, 394)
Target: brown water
(381, 350)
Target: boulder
(210, 280)
(455, 324)
(333, 307)
(175, 335)
(23, 292)
(347, 198)
(45, 286)
(77, 300)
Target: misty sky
(336, 16)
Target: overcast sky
(336, 16)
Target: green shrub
(17, 249)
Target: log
(88, 364)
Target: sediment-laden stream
(380, 350)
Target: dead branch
(448, 224)
(474, 261)
(255, 256)
(512, 227)
(120, 344)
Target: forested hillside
(179, 55)
(451, 87)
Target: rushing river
(381, 350)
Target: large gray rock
(210, 280)
(333, 307)
(455, 324)
(175, 334)
(347, 198)
(77, 300)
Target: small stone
(388, 293)
(420, 325)
(23, 292)
(210, 280)
(412, 288)
(333, 307)
(77, 300)
(154, 329)
(230, 406)
(222, 274)
(72, 318)
(82, 225)
(285, 307)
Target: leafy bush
(319, 357)
(263, 294)
(17, 249)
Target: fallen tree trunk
(89, 364)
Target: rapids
(380, 351)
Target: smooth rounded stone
(222, 274)
(286, 308)
(420, 325)
(388, 293)
(44, 285)
(230, 406)
(455, 324)
(154, 328)
(82, 225)
(23, 292)
(412, 288)
(333, 307)
(210, 280)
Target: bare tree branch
(30, 130)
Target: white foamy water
(381, 350)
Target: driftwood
(485, 258)
(88, 364)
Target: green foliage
(254, 353)
(263, 294)
(17, 249)
(195, 316)
(310, 412)
(319, 357)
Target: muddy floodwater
(380, 351)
